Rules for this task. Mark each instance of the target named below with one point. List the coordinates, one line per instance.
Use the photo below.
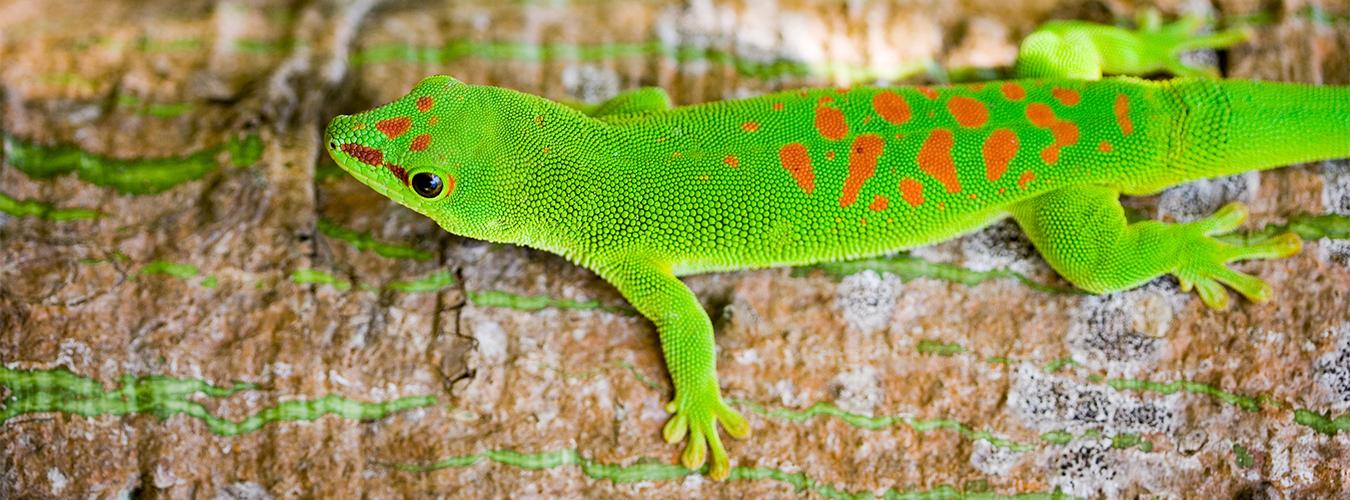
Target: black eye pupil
(427, 184)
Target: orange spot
(1065, 133)
(433, 120)
(878, 203)
(359, 126)
(421, 142)
(449, 184)
(1123, 114)
(976, 87)
(1104, 147)
(731, 161)
(830, 123)
(1040, 115)
(777, 106)
(935, 159)
(911, 191)
(892, 108)
(795, 160)
(1067, 97)
(394, 127)
(968, 112)
(1013, 91)
(1025, 179)
(927, 91)
(829, 155)
(750, 126)
(862, 163)
(999, 149)
(424, 103)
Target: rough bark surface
(194, 302)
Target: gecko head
(431, 151)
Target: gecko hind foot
(1204, 264)
(697, 416)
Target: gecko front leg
(687, 342)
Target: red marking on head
(750, 126)
(911, 191)
(829, 155)
(878, 203)
(424, 103)
(1123, 114)
(433, 120)
(1013, 91)
(862, 163)
(369, 156)
(398, 171)
(1067, 97)
(935, 159)
(394, 127)
(1104, 147)
(927, 91)
(999, 149)
(1025, 179)
(841, 90)
(968, 112)
(794, 159)
(830, 123)
(892, 107)
(731, 161)
(1065, 132)
(421, 142)
(777, 106)
(824, 100)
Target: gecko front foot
(697, 414)
(1203, 265)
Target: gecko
(642, 192)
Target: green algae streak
(908, 268)
(58, 390)
(364, 242)
(41, 210)
(134, 176)
(648, 469)
(878, 423)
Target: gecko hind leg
(1083, 235)
(1078, 49)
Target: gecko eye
(427, 184)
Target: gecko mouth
(370, 156)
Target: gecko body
(642, 192)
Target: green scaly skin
(642, 193)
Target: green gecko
(641, 192)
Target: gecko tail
(1277, 124)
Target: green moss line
(1308, 227)
(1244, 459)
(45, 211)
(364, 242)
(60, 391)
(574, 52)
(908, 268)
(317, 277)
(157, 110)
(127, 176)
(497, 298)
(1323, 423)
(649, 469)
(181, 271)
(885, 422)
(939, 348)
(1119, 441)
(1248, 403)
